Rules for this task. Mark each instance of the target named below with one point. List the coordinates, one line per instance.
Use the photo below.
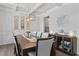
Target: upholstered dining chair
(44, 35)
(34, 34)
(43, 48)
(39, 34)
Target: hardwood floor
(7, 50)
(59, 53)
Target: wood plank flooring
(59, 53)
(7, 50)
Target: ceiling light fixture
(28, 18)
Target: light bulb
(71, 34)
(50, 32)
(30, 18)
(27, 19)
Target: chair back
(44, 46)
(34, 34)
(39, 34)
(17, 46)
(44, 35)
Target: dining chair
(43, 48)
(44, 35)
(39, 34)
(34, 34)
(17, 47)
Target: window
(46, 24)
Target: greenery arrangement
(28, 33)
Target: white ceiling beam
(36, 7)
(52, 9)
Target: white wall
(6, 27)
(36, 25)
(72, 12)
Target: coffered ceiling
(30, 8)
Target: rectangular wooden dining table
(25, 44)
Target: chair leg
(15, 51)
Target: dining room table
(26, 43)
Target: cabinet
(66, 44)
